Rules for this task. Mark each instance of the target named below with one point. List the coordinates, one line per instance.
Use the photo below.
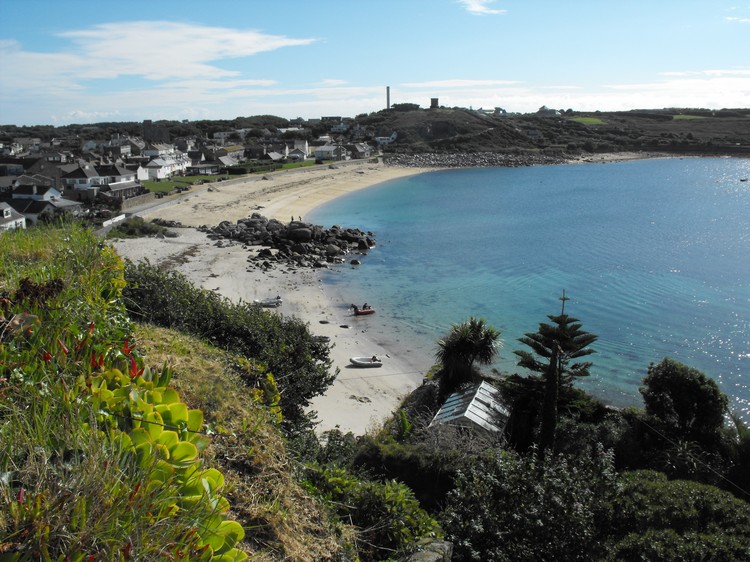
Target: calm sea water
(654, 254)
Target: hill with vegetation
(442, 130)
(142, 418)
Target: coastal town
(97, 172)
(100, 177)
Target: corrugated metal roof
(479, 405)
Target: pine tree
(555, 346)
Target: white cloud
(333, 82)
(709, 73)
(715, 89)
(480, 7)
(161, 50)
(738, 20)
(156, 51)
(458, 83)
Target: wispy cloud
(709, 73)
(458, 83)
(737, 20)
(480, 7)
(709, 88)
(159, 50)
(333, 82)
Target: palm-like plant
(470, 342)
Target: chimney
(388, 97)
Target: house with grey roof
(10, 219)
(33, 201)
(331, 152)
(479, 407)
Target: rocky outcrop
(297, 243)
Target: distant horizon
(84, 62)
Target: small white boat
(268, 303)
(372, 361)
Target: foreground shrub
(300, 366)
(388, 517)
(99, 458)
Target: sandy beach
(360, 399)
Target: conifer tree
(555, 348)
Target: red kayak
(365, 310)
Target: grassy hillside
(105, 453)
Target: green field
(688, 117)
(167, 186)
(589, 120)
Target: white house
(386, 140)
(163, 167)
(32, 201)
(158, 149)
(27, 188)
(10, 219)
(330, 152)
(86, 180)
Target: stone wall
(138, 200)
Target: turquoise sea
(654, 255)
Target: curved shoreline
(359, 399)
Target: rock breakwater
(296, 243)
(470, 160)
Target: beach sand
(360, 399)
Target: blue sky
(81, 61)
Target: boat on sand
(269, 303)
(372, 361)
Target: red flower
(134, 370)
(97, 361)
(62, 345)
(46, 356)
(126, 347)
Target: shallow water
(654, 254)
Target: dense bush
(389, 519)
(301, 366)
(657, 519)
(135, 227)
(428, 471)
(522, 508)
